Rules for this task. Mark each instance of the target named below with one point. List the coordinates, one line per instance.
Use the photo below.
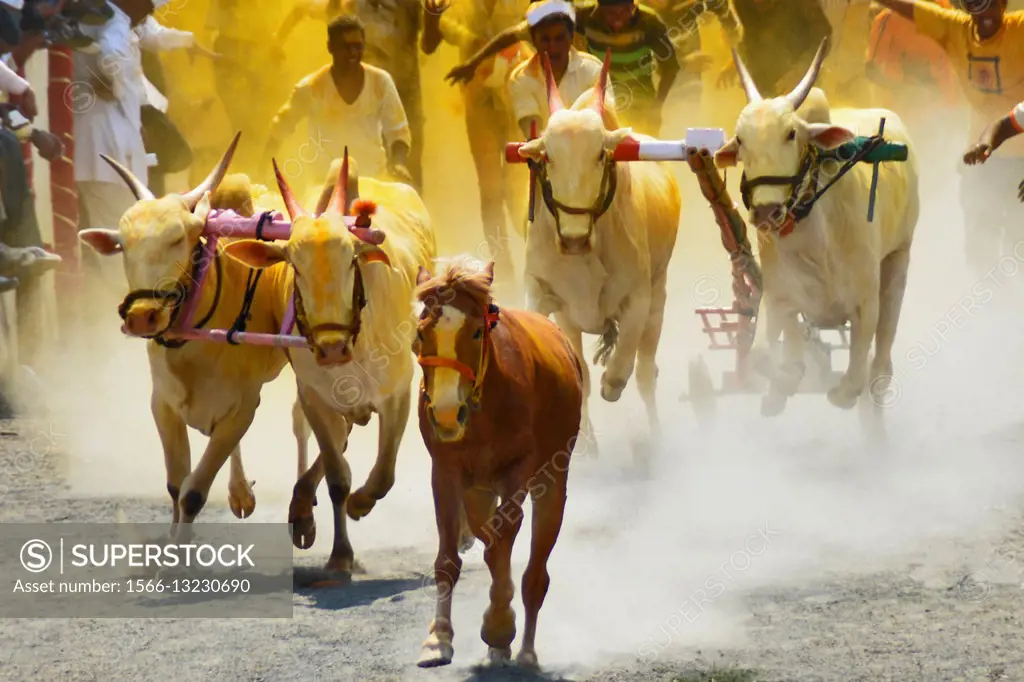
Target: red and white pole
(632, 149)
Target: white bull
(597, 253)
(833, 266)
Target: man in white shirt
(107, 98)
(552, 24)
(346, 103)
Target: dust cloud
(646, 565)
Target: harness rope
(248, 297)
(800, 204)
(605, 196)
(358, 298)
(179, 298)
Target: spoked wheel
(702, 393)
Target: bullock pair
(823, 254)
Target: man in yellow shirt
(985, 45)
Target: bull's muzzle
(575, 246)
(146, 319)
(768, 217)
(332, 349)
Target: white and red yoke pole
(633, 149)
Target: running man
(392, 35)
(348, 103)
(552, 25)
(985, 46)
(640, 45)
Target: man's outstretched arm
(905, 8)
(997, 132)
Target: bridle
(358, 300)
(605, 196)
(799, 203)
(179, 295)
(476, 377)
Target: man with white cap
(552, 28)
(107, 98)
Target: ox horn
(748, 83)
(213, 179)
(554, 97)
(602, 83)
(803, 88)
(134, 184)
(339, 201)
(290, 202)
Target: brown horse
(499, 411)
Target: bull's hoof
(772, 404)
(342, 564)
(761, 361)
(789, 377)
(436, 652)
(242, 499)
(843, 397)
(304, 532)
(321, 578)
(527, 658)
(359, 504)
(499, 655)
(466, 543)
(586, 441)
(611, 390)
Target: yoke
(268, 226)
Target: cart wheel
(703, 396)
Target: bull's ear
(199, 216)
(371, 253)
(256, 254)
(422, 276)
(533, 150)
(613, 137)
(828, 136)
(725, 157)
(104, 242)
(202, 209)
(489, 269)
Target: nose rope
(179, 295)
(800, 204)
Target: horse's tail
(606, 344)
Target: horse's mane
(462, 274)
